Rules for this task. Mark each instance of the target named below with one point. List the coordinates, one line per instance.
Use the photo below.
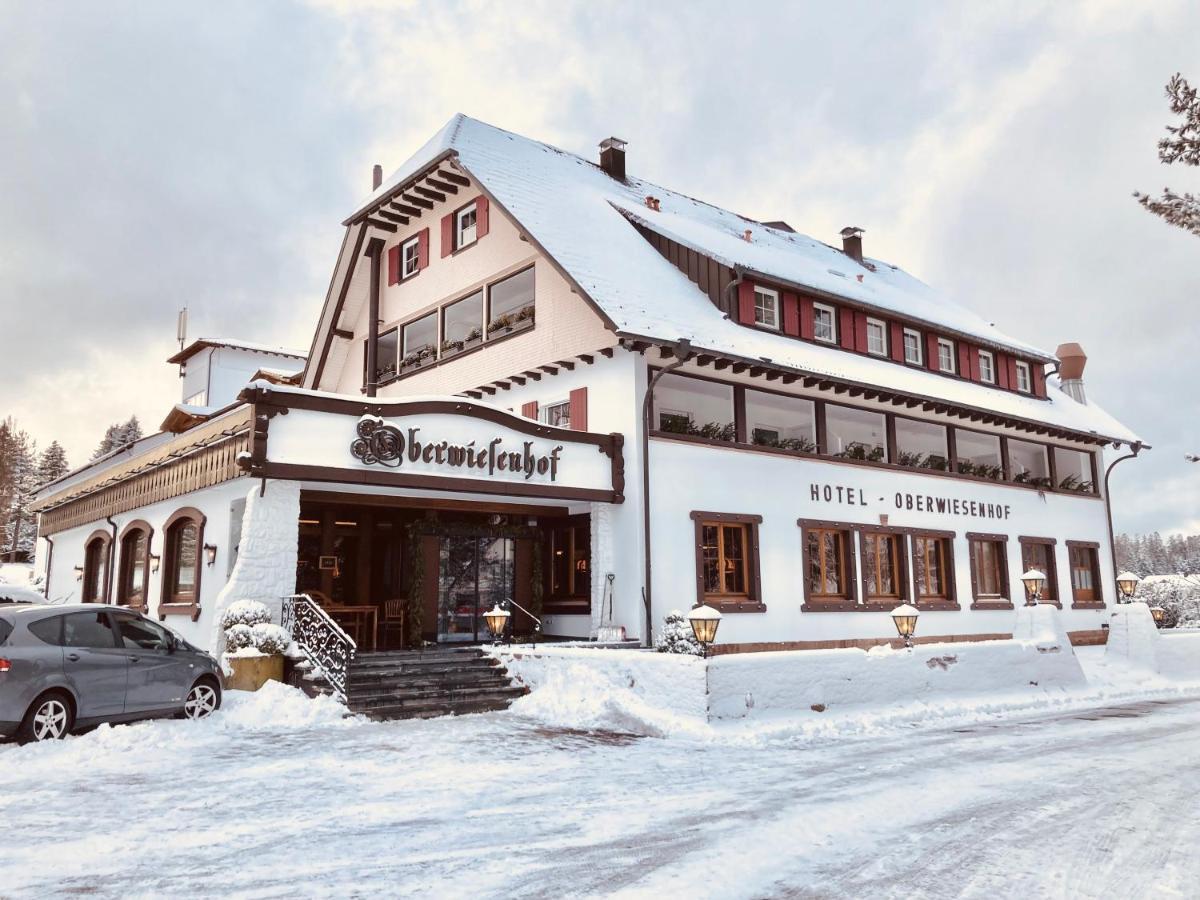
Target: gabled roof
(203, 343)
(581, 218)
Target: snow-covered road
(1078, 804)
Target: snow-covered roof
(203, 343)
(580, 216)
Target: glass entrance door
(474, 574)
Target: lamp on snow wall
(1127, 584)
(704, 621)
(497, 621)
(905, 617)
(1159, 615)
(1033, 581)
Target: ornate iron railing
(324, 643)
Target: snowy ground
(280, 796)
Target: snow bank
(279, 706)
(1179, 654)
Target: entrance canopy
(434, 443)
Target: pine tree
(1183, 145)
(117, 436)
(20, 529)
(52, 464)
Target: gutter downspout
(374, 253)
(1136, 447)
(49, 562)
(682, 351)
(112, 560)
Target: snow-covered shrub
(245, 612)
(238, 637)
(1179, 596)
(270, 640)
(677, 636)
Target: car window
(88, 630)
(48, 630)
(5, 630)
(138, 634)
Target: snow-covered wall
(1179, 654)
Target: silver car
(64, 668)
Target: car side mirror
(172, 643)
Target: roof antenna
(181, 332)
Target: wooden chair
(393, 618)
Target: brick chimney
(1071, 360)
(612, 157)
(852, 242)
(376, 177)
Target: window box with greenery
(781, 422)
(507, 323)
(1030, 464)
(1073, 469)
(727, 566)
(511, 305)
(418, 359)
(852, 433)
(921, 445)
(473, 339)
(978, 455)
(695, 407)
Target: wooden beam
(436, 196)
(773, 376)
(738, 368)
(549, 370)
(417, 201)
(721, 365)
(517, 379)
(393, 217)
(343, 334)
(704, 360)
(586, 358)
(488, 390)
(405, 209)
(382, 226)
(566, 364)
(606, 352)
(536, 376)
(444, 186)
(756, 371)
(453, 178)
(790, 379)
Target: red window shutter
(530, 410)
(964, 361)
(423, 249)
(394, 265)
(972, 371)
(860, 332)
(1002, 370)
(931, 352)
(578, 401)
(746, 303)
(791, 315)
(806, 318)
(847, 328)
(1012, 373)
(1039, 380)
(447, 235)
(897, 342)
(481, 217)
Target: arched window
(95, 567)
(133, 579)
(183, 536)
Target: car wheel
(201, 701)
(49, 719)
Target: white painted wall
(223, 371)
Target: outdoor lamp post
(497, 621)
(1159, 614)
(210, 554)
(1127, 583)
(905, 617)
(1033, 581)
(704, 621)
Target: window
(987, 367)
(95, 568)
(1085, 573)
(1038, 553)
(570, 550)
(883, 568)
(766, 308)
(978, 454)
(138, 634)
(1073, 468)
(828, 568)
(419, 342)
(410, 257)
(933, 569)
(462, 324)
(693, 406)
(773, 420)
(558, 414)
(912, 347)
(824, 323)
(511, 303)
(48, 630)
(921, 445)
(1024, 379)
(727, 561)
(464, 226)
(877, 337)
(855, 433)
(386, 355)
(133, 577)
(946, 356)
(88, 630)
(1030, 463)
(989, 569)
(183, 536)
(200, 398)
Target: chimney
(376, 177)
(612, 157)
(1071, 360)
(852, 242)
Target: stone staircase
(437, 681)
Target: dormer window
(945, 356)
(464, 226)
(876, 337)
(1024, 379)
(912, 348)
(766, 308)
(410, 257)
(824, 323)
(987, 367)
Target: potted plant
(418, 358)
(473, 339)
(254, 648)
(449, 347)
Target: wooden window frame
(902, 575)
(1097, 602)
(168, 602)
(415, 243)
(824, 603)
(569, 603)
(912, 332)
(456, 230)
(544, 412)
(125, 569)
(949, 601)
(1004, 601)
(775, 307)
(1022, 366)
(104, 538)
(991, 363)
(1051, 565)
(943, 344)
(833, 323)
(730, 603)
(884, 350)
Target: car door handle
(73, 657)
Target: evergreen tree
(52, 464)
(117, 436)
(1182, 145)
(20, 529)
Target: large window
(95, 567)
(182, 539)
(693, 406)
(855, 433)
(921, 445)
(825, 323)
(1073, 468)
(989, 569)
(387, 356)
(134, 571)
(419, 343)
(1038, 553)
(978, 454)
(883, 568)
(570, 550)
(773, 420)
(877, 337)
(766, 308)
(933, 569)
(1030, 463)
(828, 568)
(912, 348)
(727, 561)
(1085, 573)
(510, 303)
(462, 324)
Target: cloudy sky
(156, 154)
